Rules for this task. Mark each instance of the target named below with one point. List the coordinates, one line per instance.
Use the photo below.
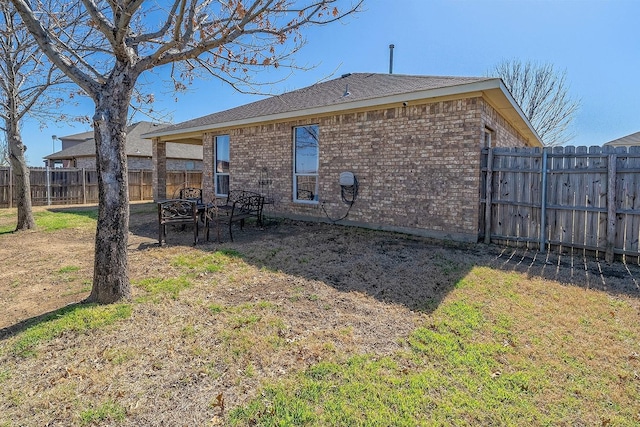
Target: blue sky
(595, 41)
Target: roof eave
(519, 120)
(490, 87)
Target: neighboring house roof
(136, 145)
(84, 136)
(356, 91)
(633, 139)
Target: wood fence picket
(64, 186)
(587, 199)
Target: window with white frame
(221, 175)
(305, 167)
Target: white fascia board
(517, 108)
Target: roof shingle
(136, 145)
(348, 88)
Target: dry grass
(211, 326)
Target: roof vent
(345, 75)
(346, 91)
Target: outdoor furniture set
(189, 208)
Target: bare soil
(356, 289)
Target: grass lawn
(312, 325)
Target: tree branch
(543, 95)
(58, 58)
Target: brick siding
(138, 163)
(85, 162)
(159, 150)
(417, 166)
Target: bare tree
(4, 151)
(124, 38)
(27, 80)
(543, 94)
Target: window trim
(296, 175)
(488, 137)
(217, 174)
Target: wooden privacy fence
(567, 197)
(65, 186)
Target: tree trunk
(110, 275)
(20, 176)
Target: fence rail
(64, 186)
(585, 198)
(567, 197)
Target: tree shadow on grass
(85, 211)
(415, 272)
(395, 268)
(23, 325)
(570, 267)
(91, 211)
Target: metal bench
(242, 208)
(191, 193)
(177, 212)
(235, 195)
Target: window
(221, 175)
(305, 168)
(488, 138)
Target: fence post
(611, 206)
(10, 179)
(487, 197)
(84, 187)
(141, 174)
(48, 187)
(543, 200)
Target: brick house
(79, 151)
(412, 142)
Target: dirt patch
(42, 272)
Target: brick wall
(505, 134)
(181, 165)
(208, 190)
(137, 163)
(159, 150)
(86, 163)
(140, 162)
(417, 166)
